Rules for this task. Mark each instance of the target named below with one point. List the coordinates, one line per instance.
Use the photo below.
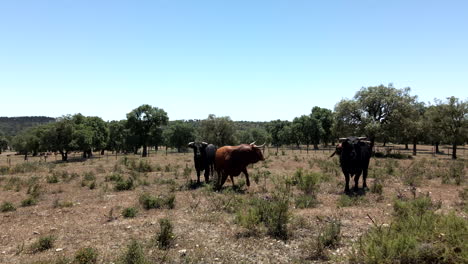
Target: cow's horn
(190, 144)
(261, 146)
(204, 143)
(253, 143)
(343, 139)
(362, 138)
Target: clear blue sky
(250, 60)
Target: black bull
(203, 157)
(354, 155)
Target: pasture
(109, 207)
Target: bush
(151, 202)
(124, 185)
(52, 178)
(331, 235)
(87, 255)
(346, 200)
(43, 243)
(7, 207)
(30, 201)
(416, 235)
(376, 187)
(309, 182)
(26, 167)
(272, 213)
(414, 174)
(134, 254)
(165, 237)
(129, 212)
(142, 166)
(306, 201)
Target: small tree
(274, 128)
(325, 118)
(451, 118)
(145, 122)
(179, 134)
(218, 130)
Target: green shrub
(309, 182)
(331, 234)
(30, 201)
(273, 214)
(26, 167)
(151, 202)
(305, 201)
(376, 187)
(52, 178)
(34, 189)
(14, 183)
(7, 207)
(142, 166)
(123, 185)
(59, 204)
(114, 177)
(414, 174)
(87, 255)
(134, 254)
(416, 235)
(43, 243)
(165, 237)
(4, 170)
(346, 200)
(129, 212)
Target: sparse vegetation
(87, 255)
(165, 237)
(416, 235)
(7, 207)
(43, 243)
(134, 254)
(152, 202)
(129, 212)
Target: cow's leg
(346, 174)
(356, 181)
(198, 176)
(364, 176)
(224, 178)
(246, 177)
(207, 173)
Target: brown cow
(232, 160)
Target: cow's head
(256, 151)
(198, 148)
(347, 149)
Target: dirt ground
(78, 216)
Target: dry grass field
(293, 212)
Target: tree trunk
(316, 146)
(90, 153)
(102, 152)
(372, 142)
(415, 141)
(135, 150)
(454, 151)
(26, 156)
(84, 154)
(145, 151)
(437, 147)
(64, 155)
(406, 146)
(384, 143)
(307, 148)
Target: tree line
(381, 113)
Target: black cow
(355, 155)
(203, 157)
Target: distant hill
(11, 126)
